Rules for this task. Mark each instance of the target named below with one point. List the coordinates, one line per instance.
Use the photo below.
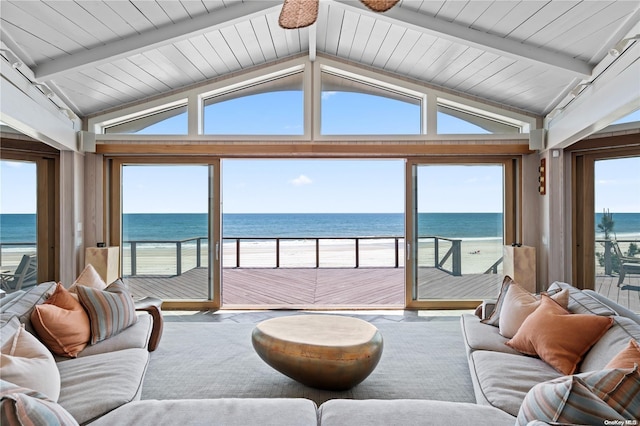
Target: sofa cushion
(557, 336)
(227, 411)
(110, 311)
(496, 385)
(136, 336)
(26, 362)
(629, 357)
(609, 345)
(567, 400)
(478, 336)
(581, 302)
(19, 405)
(519, 304)
(10, 298)
(340, 412)
(92, 386)
(61, 323)
(619, 309)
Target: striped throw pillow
(585, 398)
(619, 388)
(22, 406)
(110, 310)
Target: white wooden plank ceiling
(100, 55)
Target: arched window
(169, 121)
(354, 107)
(272, 107)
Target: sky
(320, 186)
(617, 185)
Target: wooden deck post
(134, 256)
(457, 258)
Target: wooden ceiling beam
(358, 150)
(474, 38)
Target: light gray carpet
(423, 360)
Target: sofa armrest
(153, 306)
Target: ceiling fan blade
(298, 13)
(379, 5)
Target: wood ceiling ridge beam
(475, 38)
(152, 39)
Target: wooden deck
(627, 295)
(297, 288)
(311, 287)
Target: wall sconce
(542, 179)
(622, 45)
(13, 59)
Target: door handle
(408, 251)
(217, 251)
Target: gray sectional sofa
(102, 386)
(502, 376)
(104, 376)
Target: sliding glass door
(29, 206)
(18, 230)
(169, 230)
(457, 226)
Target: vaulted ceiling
(101, 55)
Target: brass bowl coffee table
(321, 351)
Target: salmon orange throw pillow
(626, 358)
(558, 337)
(62, 323)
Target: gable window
(268, 107)
(351, 106)
(165, 121)
(455, 118)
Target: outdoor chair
(24, 275)
(627, 264)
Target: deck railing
(606, 247)
(446, 253)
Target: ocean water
(146, 226)
(167, 227)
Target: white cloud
(607, 182)
(327, 95)
(301, 180)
